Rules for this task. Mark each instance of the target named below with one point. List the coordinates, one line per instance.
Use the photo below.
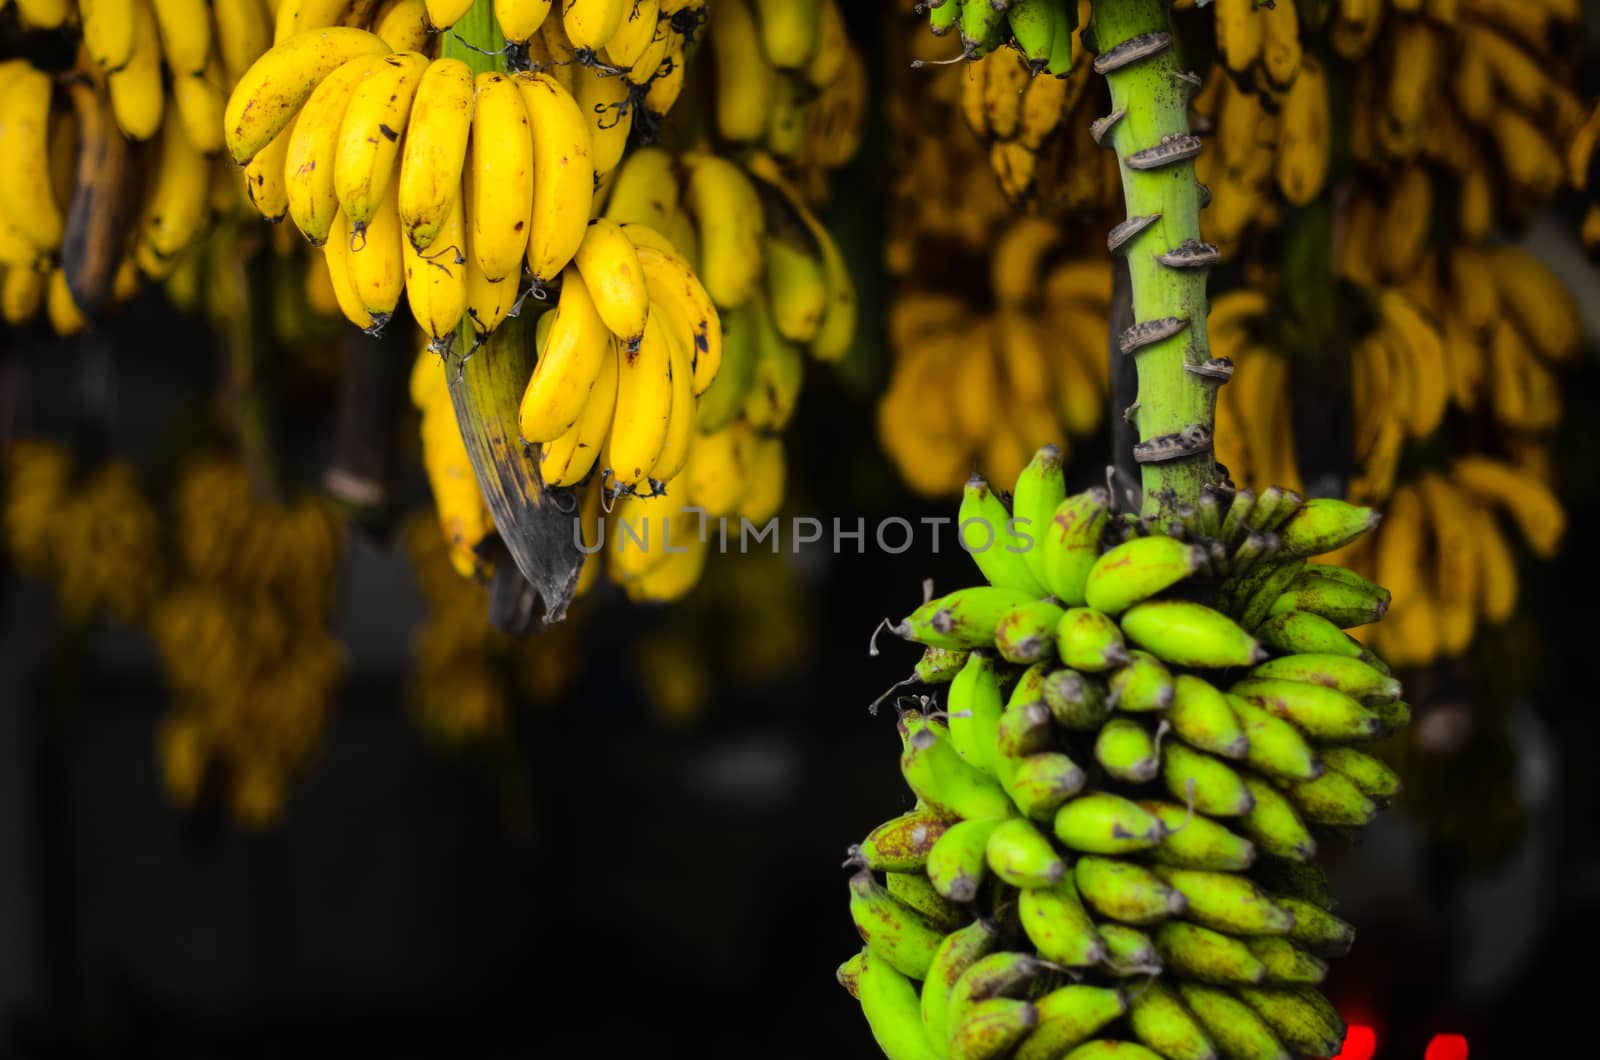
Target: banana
(1317, 930)
(1040, 489)
(368, 147)
(745, 83)
(1275, 746)
(1089, 641)
(1201, 717)
(1159, 1019)
(26, 195)
(569, 365)
(314, 140)
(1285, 963)
(1197, 843)
(965, 618)
(778, 374)
(900, 935)
(718, 475)
(590, 24)
(1077, 701)
(175, 208)
(1188, 634)
(1127, 752)
(975, 706)
(1304, 135)
(337, 252)
(1227, 902)
(1027, 634)
(403, 25)
(644, 190)
(1103, 823)
(43, 14)
(680, 421)
(442, 14)
(1125, 892)
(902, 844)
(200, 100)
(1232, 1024)
(563, 178)
(1370, 776)
(1530, 503)
(488, 302)
(1070, 1015)
(672, 283)
(520, 19)
(94, 237)
(992, 1028)
(607, 105)
(939, 666)
(609, 264)
(21, 295)
(732, 227)
(1072, 544)
(1209, 956)
(108, 30)
(1139, 569)
(987, 535)
(185, 32)
(266, 178)
(1273, 825)
(568, 459)
(1319, 711)
(65, 318)
(1214, 787)
(640, 28)
(957, 952)
(436, 279)
(1298, 1024)
(1294, 632)
(276, 85)
(500, 156)
(1129, 951)
(644, 398)
(943, 780)
(375, 262)
(1021, 856)
(1061, 930)
(1331, 799)
(299, 16)
(1537, 300)
(435, 150)
(889, 1002)
(1345, 605)
(1351, 676)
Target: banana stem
(1149, 128)
(476, 40)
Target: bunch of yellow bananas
(443, 183)
(242, 636)
(975, 387)
(92, 534)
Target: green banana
(1232, 1024)
(917, 891)
(1138, 569)
(1274, 825)
(1029, 686)
(1129, 951)
(1334, 597)
(1331, 799)
(1225, 901)
(957, 952)
(1041, 783)
(999, 974)
(849, 973)
(939, 666)
(1325, 713)
(901, 844)
(1033, 24)
(1027, 634)
(1276, 747)
(1088, 640)
(956, 864)
(1023, 730)
(985, 531)
(1197, 842)
(974, 703)
(1126, 751)
(1214, 787)
(942, 18)
(1103, 823)
(982, 26)
(1144, 684)
(1392, 716)
(1297, 1024)
(1238, 514)
(891, 929)
(1196, 952)
(1273, 506)
(1123, 891)
(1021, 855)
(1183, 633)
(1369, 775)
(1296, 879)
(1078, 702)
(1325, 524)
(1294, 632)
(1060, 64)
(942, 779)
(1041, 487)
(889, 1002)
(963, 619)
(1106, 1049)
(1260, 589)
(1069, 1016)
(1318, 930)
(1286, 963)
(1201, 717)
(1059, 927)
(1072, 543)
(1160, 1020)
(992, 1029)
(1351, 676)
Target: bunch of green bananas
(975, 387)
(241, 631)
(1042, 31)
(1126, 783)
(90, 532)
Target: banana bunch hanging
(971, 386)
(242, 635)
(1120, 789)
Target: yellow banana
(21, 294)
(732, 227)
(645, 67)
(63, 313)
(563, 177)
(265, 181)
(175, 208)
(644, 405)
(1304, 137)
(1532, 162)
(435, 151)
(678, 572)
(201, 99)
(1280, 43)
(108, 31)
(436, 278)
(671, 282)
(568, 459)
(779, 372)
(1497, 571)
(607, 107)
(833, 45)
(137, 96)
(609, 265)
(26, 195)
(488, 302)
(1456, 562)
(1529, 501)
(43, 14)
(369, 137)
(717, 476)
(1405, 222)
(337, 252)
(789, 31)
(313, 199)
(185, 30)
(501, 157)
(667, 84)
(590, 24)
(375, 263)
(768, 472)
(645, 190)
(291, 17)
(1239, 27)
(551, 52)
(680, 419)
(744, 81)
(272, 91)
(1420, 341)
(796, 288)
(634, 34)
(520, 19)
(403, 25)
(442, 14)
(1539, 301)
(569, 364)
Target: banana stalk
(486, 386)
(1167, 263)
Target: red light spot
(1446, 1047)
(1359, 1044)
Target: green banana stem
(476, 40)
(1149, 128)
